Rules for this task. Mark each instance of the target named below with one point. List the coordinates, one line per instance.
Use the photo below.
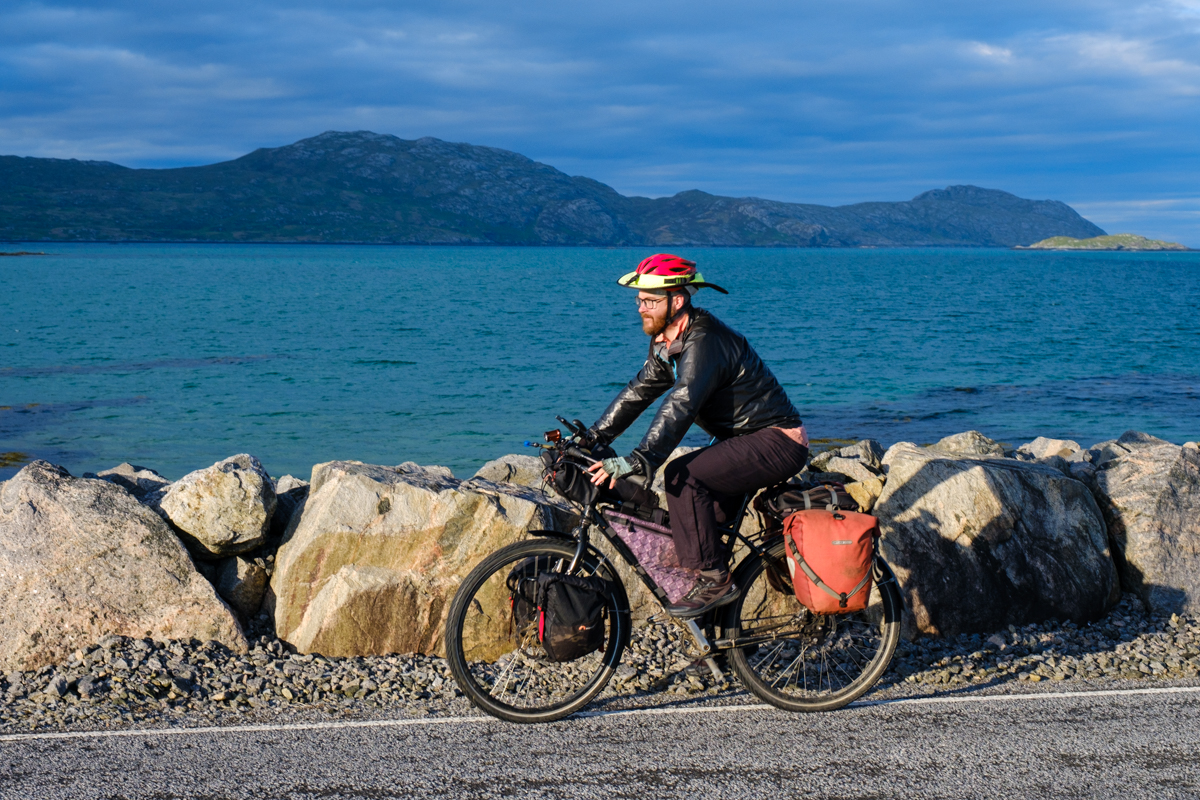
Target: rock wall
(367, 558)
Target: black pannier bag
(522, 595)
(779, 501)
(565, 612)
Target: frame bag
(830, 556)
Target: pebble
(121, 682)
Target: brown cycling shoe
(707, 594)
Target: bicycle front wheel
(800, 661)
(494, 652)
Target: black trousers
(705, 488)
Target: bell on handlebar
(553, 436)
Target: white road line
(632, 712)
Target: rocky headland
(373, 188)
(131, 599)
(1116, 241)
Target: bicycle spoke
(503, 680)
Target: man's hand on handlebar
(600, 475)
(612, 468)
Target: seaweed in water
(13, 459)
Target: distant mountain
(368, 187)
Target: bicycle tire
(498, 668)
(804, 661)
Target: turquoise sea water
(176, 356)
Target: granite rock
(868, 451)
(224, 509)
(980, 543)
(1149, 490)
(138, 481)
(290, 496)
(241, 583)
(519, 469)
(373, 536)
(1041, 447)
(81, 559)
(969, 443)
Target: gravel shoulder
(138, 683)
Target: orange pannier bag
(830, 555)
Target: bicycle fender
(553, 535)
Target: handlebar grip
(637, 480)
(577, 453)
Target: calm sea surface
(174, 357)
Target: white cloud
(991, 51)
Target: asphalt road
(1144, 744)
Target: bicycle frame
(730, 532)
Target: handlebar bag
(570, 479)
(567, 612)
(830, 556)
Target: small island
(22, 253)
(1120, 241)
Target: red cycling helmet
(665, 271)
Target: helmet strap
(675, 315)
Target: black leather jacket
(722, 386)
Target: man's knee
(675, 475)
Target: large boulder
(372, 563)
(519, 469)
(224, 509)
(1149, 490)
(81, 559)
(980, 543)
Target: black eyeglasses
(649, 302)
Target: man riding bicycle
(712, 377)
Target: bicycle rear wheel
(496, 657)
(800, 661)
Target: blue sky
(1093, 103)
